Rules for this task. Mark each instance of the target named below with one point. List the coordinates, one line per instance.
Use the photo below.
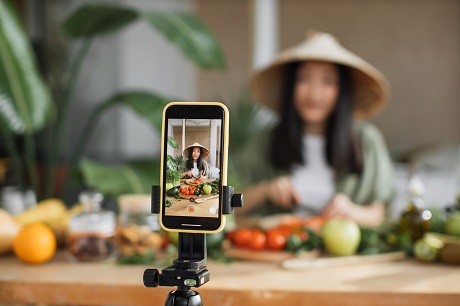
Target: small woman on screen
(197, 167)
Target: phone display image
(193, 167)
(193, 198)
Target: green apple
(173, 237)
(452, 225)
(169, 186)
(341, 237)
(207, 189)
(424, 251)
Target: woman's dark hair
(342, 150)
(190, 158)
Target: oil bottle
(415, 219)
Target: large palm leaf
(184, 30)
(25, 104)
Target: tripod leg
(183, 298)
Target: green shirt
(374, 183)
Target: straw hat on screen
(204, 150)
(370, 88)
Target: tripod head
(189, 269)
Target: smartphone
(193, 166)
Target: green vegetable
(213, 246)
(172, 176)
(172, 192)
(168, 203)
(214, 186)
(294, 243)
(137, 259)
(214, 241)
(424, 251)
(383, 239)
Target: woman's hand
(342, 207)
(339, 207)
(281, 192)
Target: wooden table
(405, 282)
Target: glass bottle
(92, 233)
(415, 219)
(138, 232)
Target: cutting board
(268, 256)
(309, 260)
(329, 261)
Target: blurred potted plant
(26, 106)
(25, 103)
(175, 165)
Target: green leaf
(114, 180)
(170, 163)
(248, 121)
(172, 142)
(25, 103)
(145, 104)
(190, 35)
(10, 119)
(98, 19)
(184, 30)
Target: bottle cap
(416, 187)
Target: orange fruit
(35, 243)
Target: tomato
(275, 240)
(185, 192)
(241, 237)
(258, 240)
(287, 230)
(166, 241)
(315, 223)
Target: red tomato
(165, 241)
(241, 237)
(258, 240)
(287, 230)
(315, 223)
(275, 240)
(185, 192)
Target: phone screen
(194, 166)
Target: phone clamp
(189, 269)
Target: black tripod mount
(189, 269)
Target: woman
(327, 161)
(196, 165)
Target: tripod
(189, 269)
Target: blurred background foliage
(27, 107)
(100, 65)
